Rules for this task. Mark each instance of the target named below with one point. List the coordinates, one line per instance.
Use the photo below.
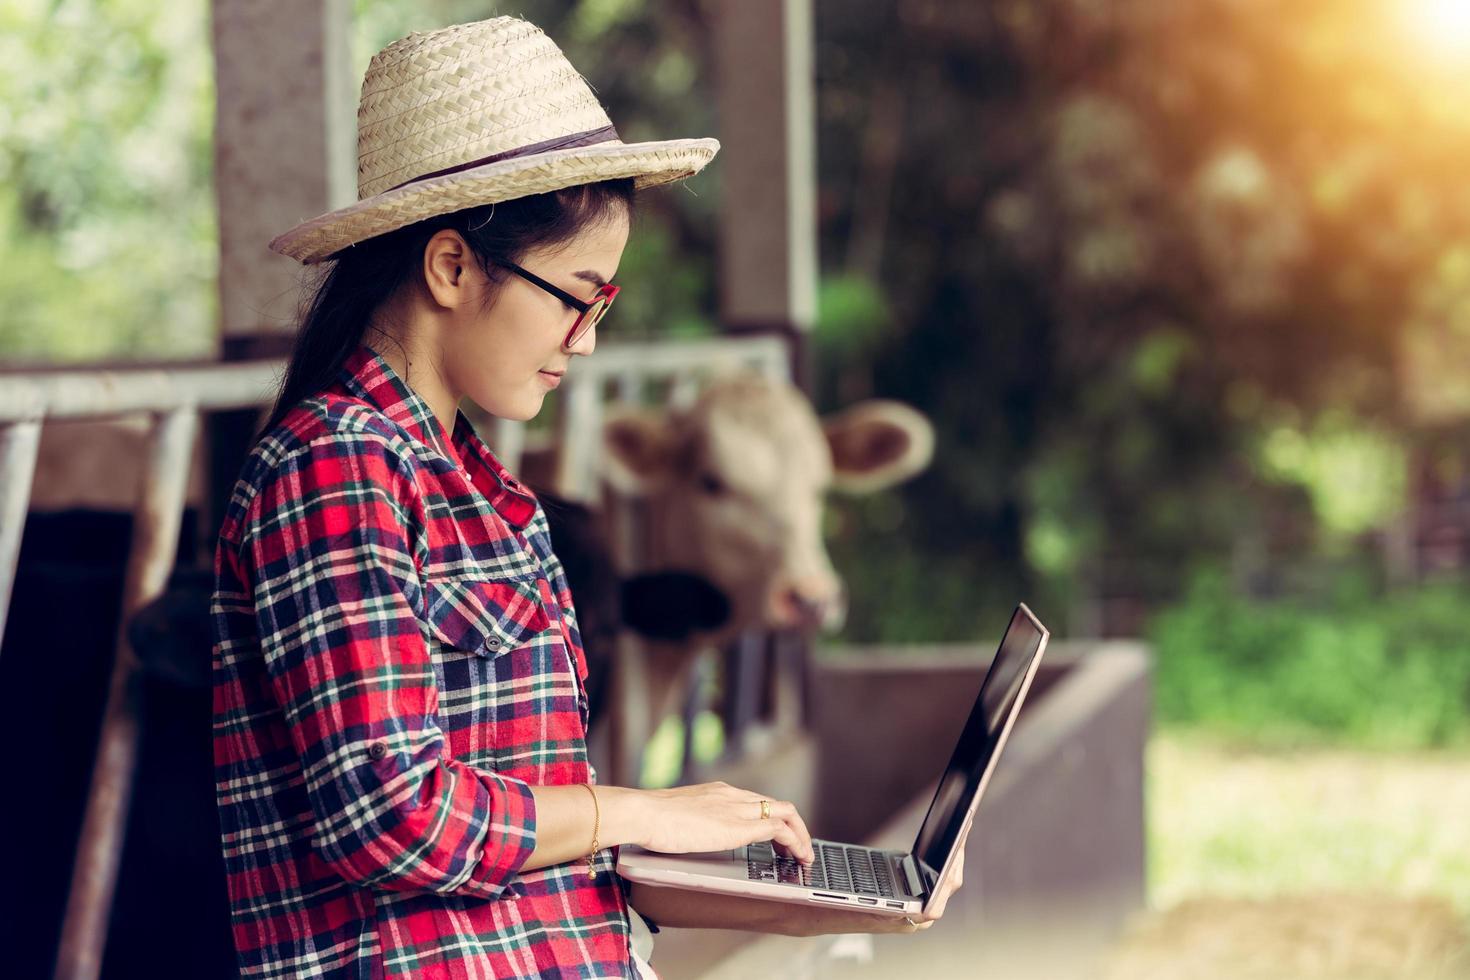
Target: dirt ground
(1305, 864)
(1297, 937)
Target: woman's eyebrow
(588, 275)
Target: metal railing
(672, 374)
(622, 374)
(175, 398)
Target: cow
(733, 488)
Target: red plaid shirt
(396, 661)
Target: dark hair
(366, 275)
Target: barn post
(155, 544)
(768, 233)
(765, 80)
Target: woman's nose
(586, 344)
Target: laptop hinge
(912, 882)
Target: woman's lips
(551, 380)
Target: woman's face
(506, 358)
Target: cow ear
(639, 449)
(876, 444)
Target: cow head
(736, 484)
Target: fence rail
(175, 399)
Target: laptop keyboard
(838, 867)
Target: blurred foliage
(663, 756)
(107, 218)
(1352, 665)
(1355, 473)
(1177, 283)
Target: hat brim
(650, 164)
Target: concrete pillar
(768, 236)
(285, 150)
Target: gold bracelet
(596, 826)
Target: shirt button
(492, 644)
(378, 749)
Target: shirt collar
(366, 375)
(513, 499)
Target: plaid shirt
(396, 662)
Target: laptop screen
(976, 749)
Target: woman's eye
(711, 484)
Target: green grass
(665, 749)
(1229, 820)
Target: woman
(399, 713)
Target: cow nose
(808, 606)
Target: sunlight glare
(1441, 25)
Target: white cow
(734, 489)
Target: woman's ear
(445, 258)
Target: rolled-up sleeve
(335, 541)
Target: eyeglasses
(588, 314)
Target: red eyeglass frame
(606, 293)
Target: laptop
(865, 878)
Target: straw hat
(475, 114)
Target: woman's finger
(804, 834)
(786, 812)
(799, 842)
(780, 832)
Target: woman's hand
(716, 817)
(950, 885)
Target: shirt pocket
(482, 634)
(485, 618)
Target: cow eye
(711, 484)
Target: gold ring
(910, 921)
(765, 809)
